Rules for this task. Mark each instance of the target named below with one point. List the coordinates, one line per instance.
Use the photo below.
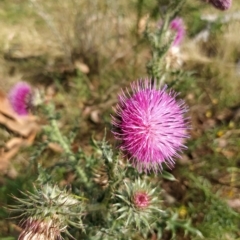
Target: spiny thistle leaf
(49, 212)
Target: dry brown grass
(96, 33)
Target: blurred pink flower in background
(177, 26)
(20, 98)
(221, 4)
(175, 33)
(150, 124)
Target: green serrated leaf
(146, 223)
(123, 215)
(122, 209)
(123, 198)
(168, 176)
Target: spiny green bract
(50, 207)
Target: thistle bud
(23, 98)
(20, 98)
(48, 211)
(221, 4)
(39, 230)
(138, 204)
(177, 26)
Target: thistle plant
(165, 41)
(117, 188)
(49, 212)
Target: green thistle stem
(60, 139)
(112, 183)
(96, 207)
(83, 176)
(57, 136)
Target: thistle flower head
(40, 230)
(177, 26)
(48, 211)
(221, 4)
(150, 124)
(137, 204)
(20, 98)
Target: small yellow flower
(215, 101)
(220, 133)
(182, 211)
(230, 193)
(208, 113)
(231, 124)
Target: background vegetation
(81, 53)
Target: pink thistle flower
(222, 4)
(141, 200)
(177, 26)
(150, 125)
(20, 98)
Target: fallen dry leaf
(5, 106)
(15, 141)
(25, 127)
(5, 156)
(55, 147)
(234, 203)
(95, 116)
(82, 67)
